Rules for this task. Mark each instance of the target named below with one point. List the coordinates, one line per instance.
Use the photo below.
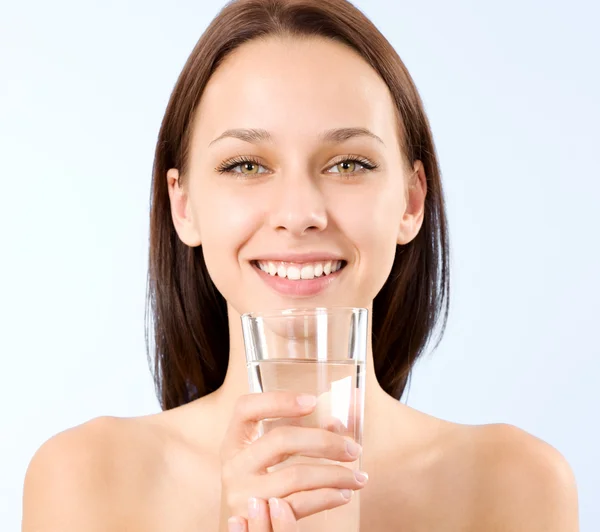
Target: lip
(314, 256)
(299, 288)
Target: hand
(276, 516)
(304, 488)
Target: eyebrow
(331, 136)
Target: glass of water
(321, 352)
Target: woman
(294, 136)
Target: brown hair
(188, 319)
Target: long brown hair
(186, 315)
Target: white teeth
(293, 273)
(306, 271)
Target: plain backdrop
(511, 89)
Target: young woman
(295, 137)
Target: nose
(298, 206)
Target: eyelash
(227, 166)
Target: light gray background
(511, 89)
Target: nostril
(310, 229)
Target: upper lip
(315, 256)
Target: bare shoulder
(71, 479)
(106, 474)
(515, 480)
(146, 473)
(474, 478)
(68, 470)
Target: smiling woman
(331, 117)
(295, 167)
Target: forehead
(295, 88)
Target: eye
(245, 166)
(352, 164)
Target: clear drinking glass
(322, 352)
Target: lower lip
(299, 288)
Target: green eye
(346, 167)
(249, 168)
(352, 164)
(241, 166)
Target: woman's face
(296, 187)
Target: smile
(300, 271)
(300, 278)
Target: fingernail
(235, 525)
(352, 448)
(252, 507)
(306, 400)
(275, 508)
(361, 477)
(346, 494)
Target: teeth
(293, 273)
(306, 271)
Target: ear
(181, 210)
(415, 193)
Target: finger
(304, 477)
(259, 519)
(252, 408)
(283, 442)
(307, 503)
(282, 516)
(237, 524)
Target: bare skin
(162, 472)
(166, 471)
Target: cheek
(371, 222)
(227, 220)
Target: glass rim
(301, 311)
